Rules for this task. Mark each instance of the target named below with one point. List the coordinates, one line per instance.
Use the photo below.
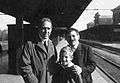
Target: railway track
(107, 59)
(111, 69)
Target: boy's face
(65, 58)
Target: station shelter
(63, 13)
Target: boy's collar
(69, 65)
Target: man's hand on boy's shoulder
(77, 69)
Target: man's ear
(79, 36)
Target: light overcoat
(36, 63)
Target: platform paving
(99, 77)
(7, 78)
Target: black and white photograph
(59, 41)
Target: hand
(77, 69)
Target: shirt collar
(43, 40)
(69, 65)
(76, 45)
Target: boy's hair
(67, 49)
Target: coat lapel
(40, 45)
(78, 56)
(50, 48)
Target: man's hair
(41, 21)
(73, 29)
(67, 49)
(70, 30)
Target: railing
(99, 45)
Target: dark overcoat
(65, 75)
(36, 64)
(83, 57)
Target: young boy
(66, 71)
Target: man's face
(73, 38)
(45, 30)
(65, 58)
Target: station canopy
(62, 12)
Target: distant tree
(0, 35)
(3, 35)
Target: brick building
(116, 15)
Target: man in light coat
(39, 56)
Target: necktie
(45, 44)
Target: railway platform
(98, 76)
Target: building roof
(62, 12)
(116, 9)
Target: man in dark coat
(83, 55)
(39, 56)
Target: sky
(6, 20)
(86, 17)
